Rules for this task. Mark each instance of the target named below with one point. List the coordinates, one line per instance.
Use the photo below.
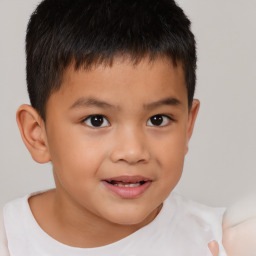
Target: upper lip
(130, 179)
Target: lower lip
(128, 192)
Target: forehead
(143, 82)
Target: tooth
(131, 185)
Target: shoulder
(12, 227)
(3, 239)
(16, 210)
(13, 213)
(18, 222)
(195, 221)
(190, 208)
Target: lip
(127, 192)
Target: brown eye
(97, 121)
(158, 120)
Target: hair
(88, 33)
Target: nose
(130, 146)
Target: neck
(71, 224)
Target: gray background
(220, 165)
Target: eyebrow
(171, 101)
(90, 102)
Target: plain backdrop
(220, 165)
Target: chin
(131, 218)
(129, 221)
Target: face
(117, 137)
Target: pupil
(157, 120)
(97, 120)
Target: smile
(131, 185)
(127, 187)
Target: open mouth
(126, 184)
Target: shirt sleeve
(3, 239)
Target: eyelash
(165, 118)
(100, 118)
(103, 121)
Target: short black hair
(92, 32)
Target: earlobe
(192, 118)
(32, 130)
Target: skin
(214, 248)
(127, 143)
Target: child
(111, 85)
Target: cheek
(75, 167)
(170, 153)
(171, 148)
(75, 156)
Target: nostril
(130, 156)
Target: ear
(33, 133)
(191, 119)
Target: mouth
(128, 186)
(127, 181)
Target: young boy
(111, 85)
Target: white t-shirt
(182, 228)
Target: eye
(158, 120)
(96, 121)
